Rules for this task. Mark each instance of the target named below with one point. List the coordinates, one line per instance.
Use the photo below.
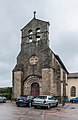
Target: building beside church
(72, 90)
(38, 70)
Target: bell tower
(35, 35)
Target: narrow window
(73, 91)
(30, 35)
(38, 34)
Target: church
(38, 71)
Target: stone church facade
(38, 70)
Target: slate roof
(34, 19)
(73, 75)
(58, 58)
(18, 67)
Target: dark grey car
(24, 101)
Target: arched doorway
(35, 89)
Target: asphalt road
(9, 111)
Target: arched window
(30, 35)
(73, 91)
(38, 34)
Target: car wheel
(48, 106)
(4, 101)
(18, 105)
(73, 101)
(35, 106)
(56, 104)
(30, 104)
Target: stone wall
(17, 84)
(28, 83)
(72, 81)
(46, 81)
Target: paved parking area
(9, 111)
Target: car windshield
(41, 97)
(21, 98)
(29, 97)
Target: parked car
(45, 101)
(74, 100)
(3, 99)
(24, 101)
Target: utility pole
(64, 88)
(63, 102)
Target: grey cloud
(67, 49)
(63, 20)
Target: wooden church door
(35, 89)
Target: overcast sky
(63, 18)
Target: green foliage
(7, 92)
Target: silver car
(3, 99)
(45, 101)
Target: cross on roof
(34, 14)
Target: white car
(45, 101)
(3, 99)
